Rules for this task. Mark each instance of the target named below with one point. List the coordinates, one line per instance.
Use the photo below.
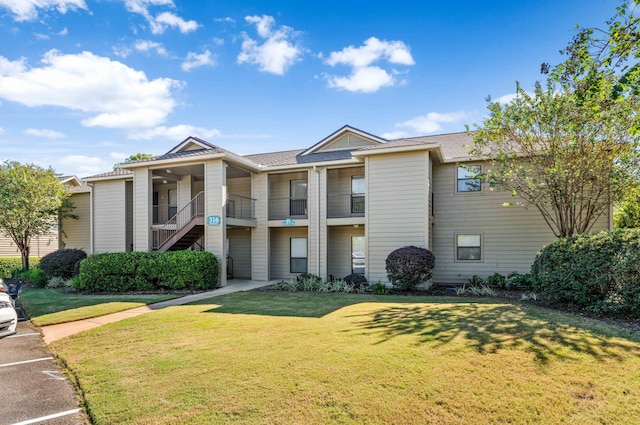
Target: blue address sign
(213, 220)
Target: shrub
(34, 276)
(520, 281)
(409, 266)
(596, 272)
(55, 282)
(357, 280)
(497, 280)
(147, 271)
(476, 280)
(379, 288)
(62, 263)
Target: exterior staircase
(183, 229)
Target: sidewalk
(56, 332)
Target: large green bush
(148, 271)
(597, 272)
(62, 263)
(409, 266)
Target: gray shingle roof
(452, 145)
(116, 172)
(271, 159)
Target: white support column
(142, 209)
(313, 210)
(184, 191)
(215, 235)
(260, 255)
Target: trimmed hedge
(409, 266)
(62, 263)
(148, 271)
(7, 264)
(596, 272)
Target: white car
(8, 315)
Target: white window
(298, 258)
(468, 180)
(469, 247)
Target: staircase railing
(194, 208)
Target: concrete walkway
(56, 332)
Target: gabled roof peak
(345, 130)
(190, 141)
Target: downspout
(318, 238)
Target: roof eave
(305, 165)
(397, 149)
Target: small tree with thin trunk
(30, 201)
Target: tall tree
(30, 200)
(135, 157)
(570, 149)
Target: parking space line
(19, 335)
(26, 361)
(46, 418)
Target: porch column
(184, 191)
(260, 255)
(215, 226)
(142, 210)
(317, 194)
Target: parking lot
(34, 388)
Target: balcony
(281, 208)
(241, 207)
(347, 205)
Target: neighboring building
(336, 208)
(45, 244)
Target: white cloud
(40, 36)
(366, 77)
(1, 130)
(122, 51)
(164, 20)
(147, 45)
(48, 134)
(277, 53)
(168, 19)
(118, 156)
(428, 123)
(195, 60)
(226, 19)
(82, 165)
(507, 98)
(27, 10)
(64, 32)
(111, 93)
(176, 132)
(395, 135)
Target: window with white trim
(467, 178)
(468, 247)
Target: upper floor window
(357, 194)
(468, 180)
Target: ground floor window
(358, 258)
(469, 247)
(298, 256)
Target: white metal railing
(194, 208)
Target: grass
(53, 306)
(291, 358)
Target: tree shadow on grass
(492, 327)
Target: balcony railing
(347, 205)
(241, 207)
(194, 208)
(281, 208)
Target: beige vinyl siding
(279, 184)
(511, 236)
(109, 216)
(348, 141)
(339, 180)
(77, 233)
(396, 206)
(280, 250)
(260, 234)
(39, 247)
(129, 215)
(240, 252)
(239, 186)
(339, 249)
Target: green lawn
(310, 358)
(52, 306)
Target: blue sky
(84, 84)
